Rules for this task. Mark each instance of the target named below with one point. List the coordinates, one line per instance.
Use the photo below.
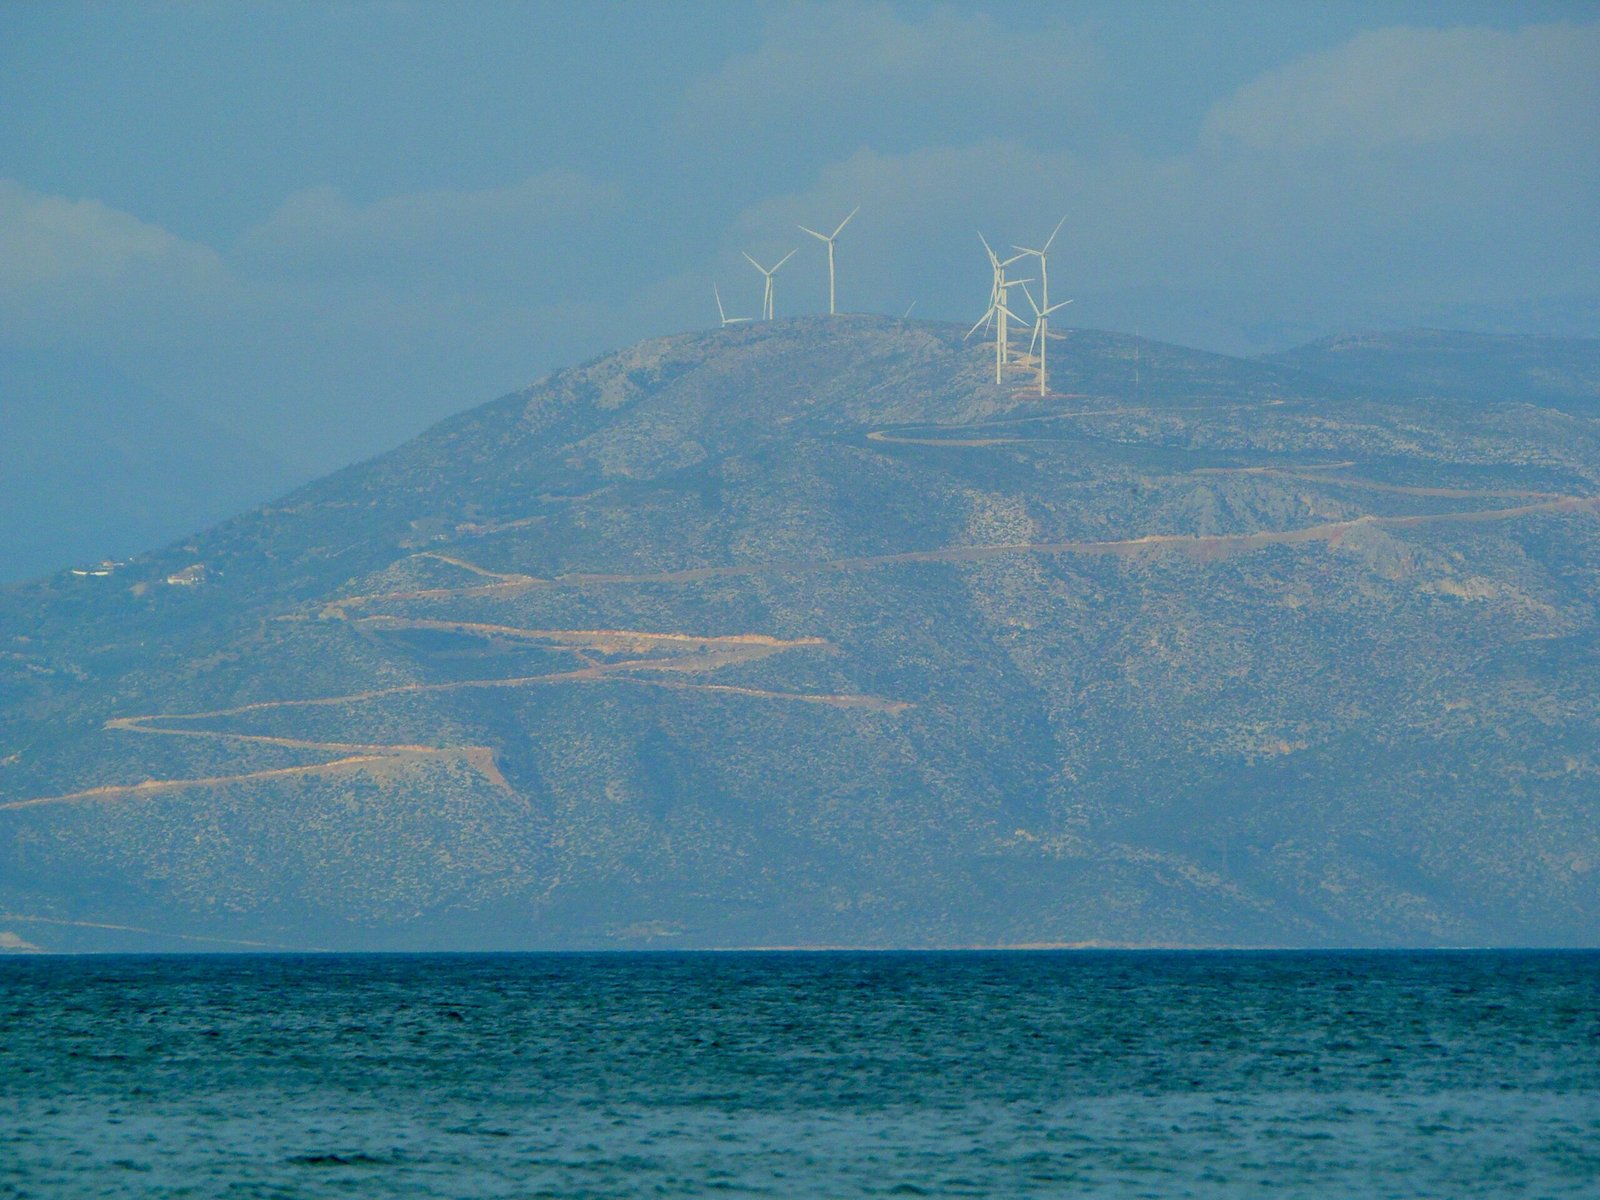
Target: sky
(325, 226)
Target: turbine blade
(1055, 231)
(1033, 341)
(989, 248)
(1053, 307)
(982, 321)
(717, 292)
(821, 237)
(754, 263)
(1032, 303)
(1028, 250)
(846, 221)
(786, 258)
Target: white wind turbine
(998, 312)
(1041, 333)
(997, 285)
(768, 273)
(1044, 267)
(994, 285)
(828, 238)
(1043, 309)
(722, 314)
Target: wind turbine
(1041, 332)
(1043, 309)
(1044, 268)
(998, 284)
(726, 319)
(828, 238)
(768, 273)
(998, 311)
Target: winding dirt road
(1207, 546)
(685, 654)
(906, 435)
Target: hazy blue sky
(331, 225)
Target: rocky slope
(807, 633)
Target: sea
(1007, 1074)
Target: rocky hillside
(807, 633)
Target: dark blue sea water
(1029, 1074)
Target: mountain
(808, 633)
(1449, 365)
(97, 466)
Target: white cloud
(1399, 86)
(1403, 165)
(328, 313)
(856, 75)
(72, 265)
(462, 240)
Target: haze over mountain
(807, 633)
(93, 465)
(1454, 365)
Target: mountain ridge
(808, 633)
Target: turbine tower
(722, 314)
(1003, 316)
(1041, 333)
(828, 238)
(767, 274)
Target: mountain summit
(807, 633)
